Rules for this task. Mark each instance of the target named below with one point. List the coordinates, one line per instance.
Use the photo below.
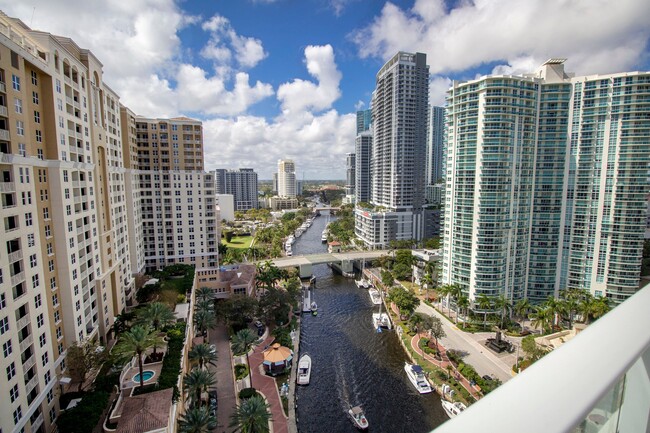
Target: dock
(306, 300)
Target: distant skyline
(276, 79)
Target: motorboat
(362, 283)
(314, 309)
(416, 375)
(358, 418)
(375, 297)
(323, 237)
(453, 409)
(381, 320)
(304, 370)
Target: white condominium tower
(399, 125)
(546, 183)
(286, 178)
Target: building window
(59, 334)
(18, 414)
(6, 348)
(20, 127)
(50, 265)
(53, 283)
(35, 281)
(18, 105)
(15, 82)
(37, 117)
(37, 300)
(58, 85)
(11, 371)
(57, 319)
(52, 415)
(40, 320)
(4, 325)
(30, 240)
(45, 359)
(50, 250)
(35, 97)
(48, 231)
(13, 393)
(28, 219)
(3, 301)
(42, 340)
(55, 300)
(50, 396)
(46, 213)
(34, 78)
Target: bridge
(305, 262)
(320, 208)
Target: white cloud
(438, 87)
(359, 105)
(301, 94)
(597, 36)
(248, 51)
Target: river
(351, 363)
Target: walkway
(266, 385)
(317, 259)
(227, 400)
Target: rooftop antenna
(32, 20)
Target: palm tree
(502, 304)
(198, 381)
(463, 303)
(484, 303)
(601, 307)
(204, 294)
(570, 303)
(204, 320)
(542, 317)
(555, 307)
(242, 343)
(135, 342)
(521, 309)
(456, 292)
(197, 420)
(252, 416)
(443, 291)
(157, 315)
(593, 308)
(203, 355)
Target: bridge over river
(346, 260)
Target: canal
(351, 363)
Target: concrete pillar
(306, 271)
(347, 266)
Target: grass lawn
(239, 242)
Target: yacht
(304, 370)
(417, 378)
(375, 297)
(358, 417)
(453, 409)
(362, 283)
(381, 320)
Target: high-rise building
(435, 145)
(350, 173)
(286, 178)
(180, 224)
(399, 124)
(546, 183)
(364, 119)
(242, 184)
(274, 184)
(363, 153)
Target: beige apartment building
(92, 195)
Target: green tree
(237, 310)
(157, 315)
(204, 294)
(463, 303)
(542, 317)
(135, 342)
(204, 320)
(521, 308)
(252, 416)
(444, 291)
(82, 358)
(401, 271)
(503, 305)
(202, 355)
(405, 300)
(197, 382)
(387, 278)
(456, 291)
(531, 348)
(437, 331)
(197, 420)
(242, 343)
(484, 303)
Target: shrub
(247, 393)
(84, 416)
(241, 371)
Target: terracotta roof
(146, 412)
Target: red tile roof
(146, 412)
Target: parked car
(213, 402)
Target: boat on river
(362, 283)
(416, 375)
(358, 418)
(314, 309)
(375, 297)
(304, 370)
(381, 320)
(453, 409)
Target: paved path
(478, 355)
(227, 400)
(266, 385)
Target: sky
(274, 79)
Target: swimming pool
(146, 375)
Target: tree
(570, 303)
(252, 416)
(405, 300)
(197, 382)
(157, 315)
(542, 317)
(135, 342)
(401, 271)
(197, 420)
(443, 292)
(237, 310)
(242, 343)
(204, 294)
(204, 320)
(83, 358)
(484, 303)
(203, 355)
(455, 291)
(463, 304)
(521, 309)
(555, 308)
(531, 348)
(503, 305)
(437, 331)
(387, 278)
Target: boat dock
(306, 299)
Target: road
(478, 355)
(227, 403)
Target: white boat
(362, 283)
(323, 237)
(416, 375)
(314, 308)
(453, 409)
(358, 418)
(304, 370)
(381, 320)
(375, 297)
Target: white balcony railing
(598, 382)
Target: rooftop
(146, 412)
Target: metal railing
(598, 382)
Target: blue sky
(277, 79)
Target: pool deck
(128, 377)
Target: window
(79, 321)
(71, 242)
(28, 219)
(50, 250)
(58, 86)
(34, 78)
(50, 396)
(20, 127)
(13, 393)
(32, 261)
(18, 105)
(50, 265)
(53, 283)
(30, 240)
(65, 175)
(42, 340)
(57, 318)
(55, 300)
(6, 348)
(11, 371)
(4, 325)
(45, 359)
(35, 281)
(40, 320)
(18, 414)
(15, 82)
(69, 226)
(46, 213)
(52, 414)
(37, 117)
(3, 301)
(67, 193)
(35, 97)
(37, 300)
(59, 334)
(48, 231)
(39, 152)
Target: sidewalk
(226, 398)
(266, 385)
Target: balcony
(7, 187)
(37, 422)
(3, 111)
(29, 363)
(27, 341)
(31, 383)
(20, 323)
(598, 382)
(17, 278)
(3, 87)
